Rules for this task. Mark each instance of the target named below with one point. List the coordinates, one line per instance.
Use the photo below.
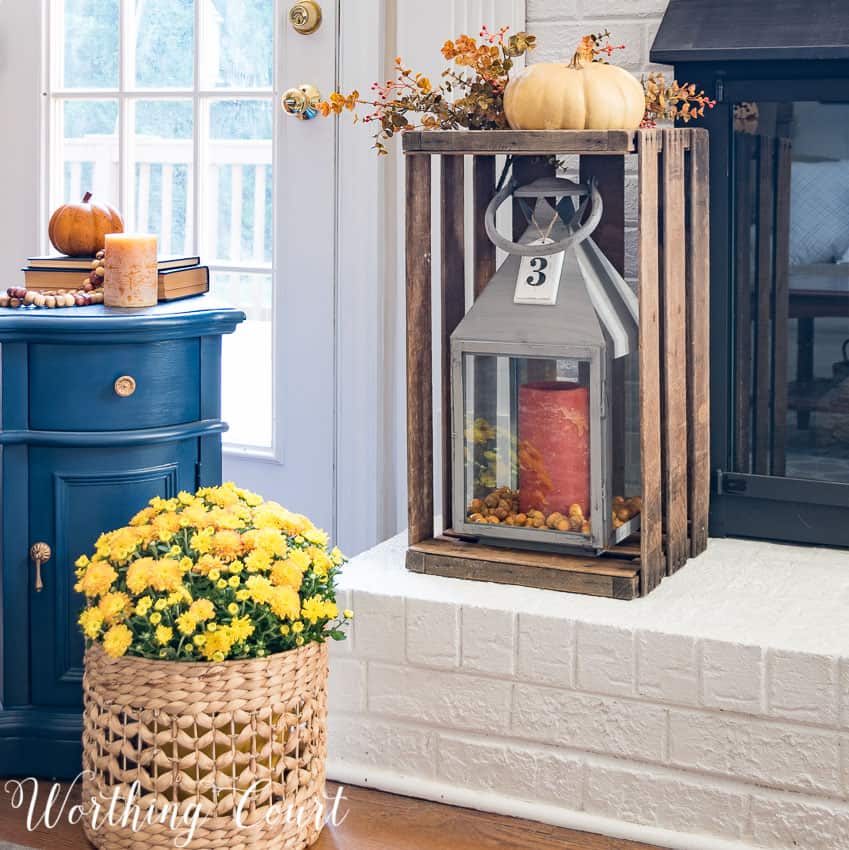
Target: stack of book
(179, 277)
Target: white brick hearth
(712, 714)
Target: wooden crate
(672, 174)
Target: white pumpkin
(582, 95)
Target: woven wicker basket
(196, 734)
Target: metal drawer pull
(125, 386)
(40, 553)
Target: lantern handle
(541, 189)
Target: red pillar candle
(554, 447)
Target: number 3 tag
(539, 278)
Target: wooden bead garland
(91, 292)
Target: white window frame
(201, 99)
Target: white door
(171, 109)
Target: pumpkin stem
(86, 197)
(584, 53)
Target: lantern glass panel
(526, 442)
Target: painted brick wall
(715, 743)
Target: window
(165, 108)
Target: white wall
(20, 130)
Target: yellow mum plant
(215, 575)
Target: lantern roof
(752, 30)
(595, 308)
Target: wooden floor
(376, 821)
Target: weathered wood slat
(781, 305)
(698, 342)
(528, 142)
(743, 287)
(453, 290)
(419, 364)
(763, 346)
(483, 188)
(596, 577)
(651, 554)
(674, 336)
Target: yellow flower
(91, 621)
(284, 630)
(138, 574)
(181, 594)
(243, 595)
(206, 564)
(299, 559)
(97, 580)
(175, 551)
(201, 541)
(257, 560)
(143, 605)
(214, 575)
(285, 573)
(185, 498)
(314, 609)
(336, 556)
(186, 563)
(166, 526)
(297, 627)
(285, 602)
(218, 644)
(82, 562)
(199, 640)
(233, 608)
(227, 545)
(160, 604)
(117, 641)
(272, 541)
(241, 629)
(165, 575)
(113, 605)
(202, 609)
(164, 634)
(321, 563)
(236, 567)
(348, 614)
(143, 517)
(221, 496)
(317, 536)
(186, 623)
(194, 515)
(260, 588)
(234, 581)
(299, 641)
(221, 583)
(156, 618)
(212, 627)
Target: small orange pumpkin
(79, 230)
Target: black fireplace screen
(790, 290)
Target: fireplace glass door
(790, 290)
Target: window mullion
(126, 40)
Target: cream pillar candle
(131, 270)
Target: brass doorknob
(305, 17)
(40, 554)
(302, 101)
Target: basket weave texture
(201, 734)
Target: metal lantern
(543, 371)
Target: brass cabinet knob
(302, 101)
(40, 554)
(124, 386)
(305, 17)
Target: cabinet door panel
(75, 494)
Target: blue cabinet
(80, 456)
